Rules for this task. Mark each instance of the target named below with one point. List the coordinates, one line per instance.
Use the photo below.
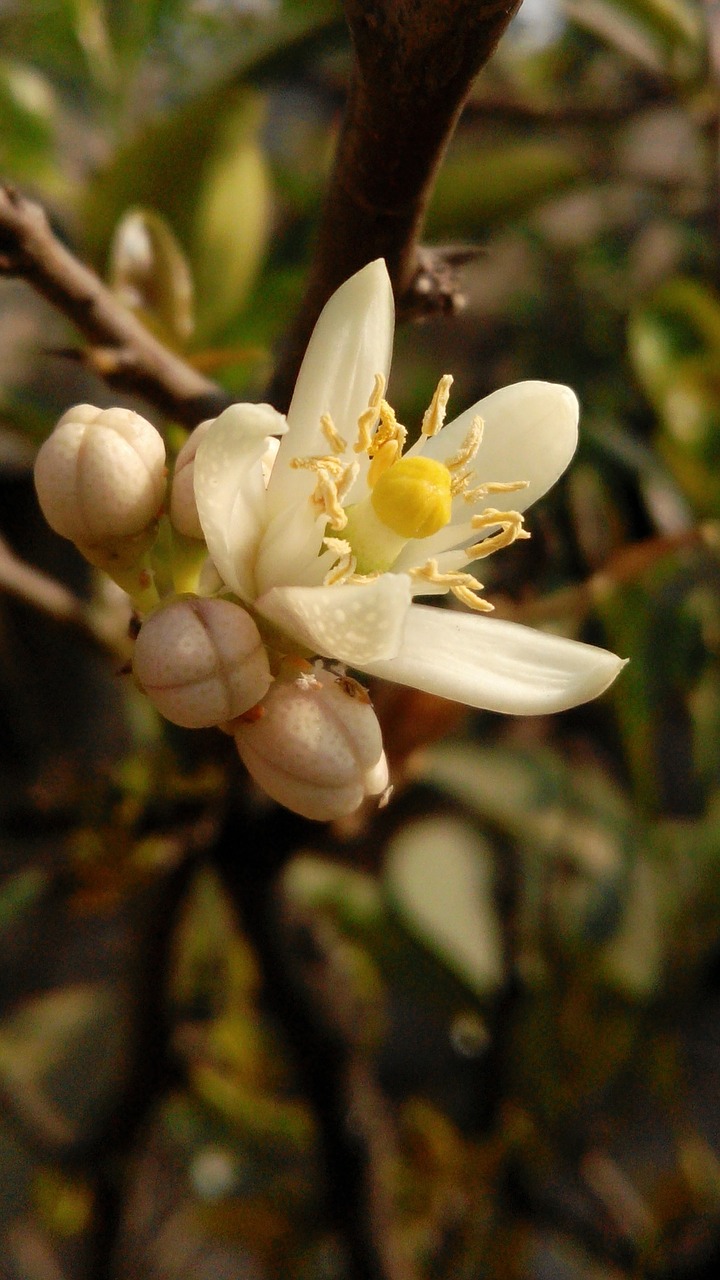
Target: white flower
(329, 553)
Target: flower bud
(183, 508)
(201, 661)
(316, 746)
(100, 476)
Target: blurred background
(504, 990)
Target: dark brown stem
(124, 353)
(414, 63)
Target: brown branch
(130, 358)
(56, 601)
(415, 61)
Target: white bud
(183, 507)
(100, 476)
(201, 661)
(316, 747)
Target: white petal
(531, 431)
(289, 553)
(495, 665)
(230, 490)
(356, 624)
(351, 342)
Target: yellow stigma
(413, 497)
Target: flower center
(413, 497)
(408, 499)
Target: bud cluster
(309, 737)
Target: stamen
(333, 483)
(459, 483)
(462, 585)
(434, 416)
(469, 447)
(390, 431)
(386, 445)
(332, 435)
(328, 463)
(344, 567)
(368, 418)
(511, 530)
(494, 486)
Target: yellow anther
(368, 418)
(412, 498)
(462, 585)
(434, 416)
(332, 435)
(510, 530)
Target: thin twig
(123, 352)
(56, 601)
(415, 61)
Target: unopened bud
(317, 746)
(100, 477)
(183, 507)
(201, 661)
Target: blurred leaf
(45, 34)
(483, 185)
(199, 167)
(662, 35)
(149, 273)
(255, 1116)
(212, 966)
(440, 874)
(232, 225)
(19, 892)
(678, 323)
(135, 27)
(576, 841)
(364, 911)
(633, 962)
(51, 1042)
(64, 1203)
(674, 345)
(29, 112)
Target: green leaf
(201, 169)
(231, 227)
(488, 184)
(663, 35)
(28, 110)
(674, 346)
